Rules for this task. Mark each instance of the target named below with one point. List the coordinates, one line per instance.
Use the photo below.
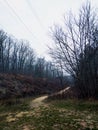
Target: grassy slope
(56, 115)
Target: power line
(19, 18)
(34, 13)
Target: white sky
(31, 19)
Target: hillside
(22, 86)
(66, 93)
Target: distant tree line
(17, 57)
(76, 50)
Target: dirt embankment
(67, 93)
(12, 86)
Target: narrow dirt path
(38, 102)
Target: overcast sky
(31, 19)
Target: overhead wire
(19, 18)
(34, 13)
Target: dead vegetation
(67, 93)
(18, 86)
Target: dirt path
(38, 101)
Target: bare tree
(40, 67)
(17, 57)
(14, 58)
(30, 62)
(7, 54)
(3, 37)
(73, 46)
(22, 55)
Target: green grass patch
(76, 105)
